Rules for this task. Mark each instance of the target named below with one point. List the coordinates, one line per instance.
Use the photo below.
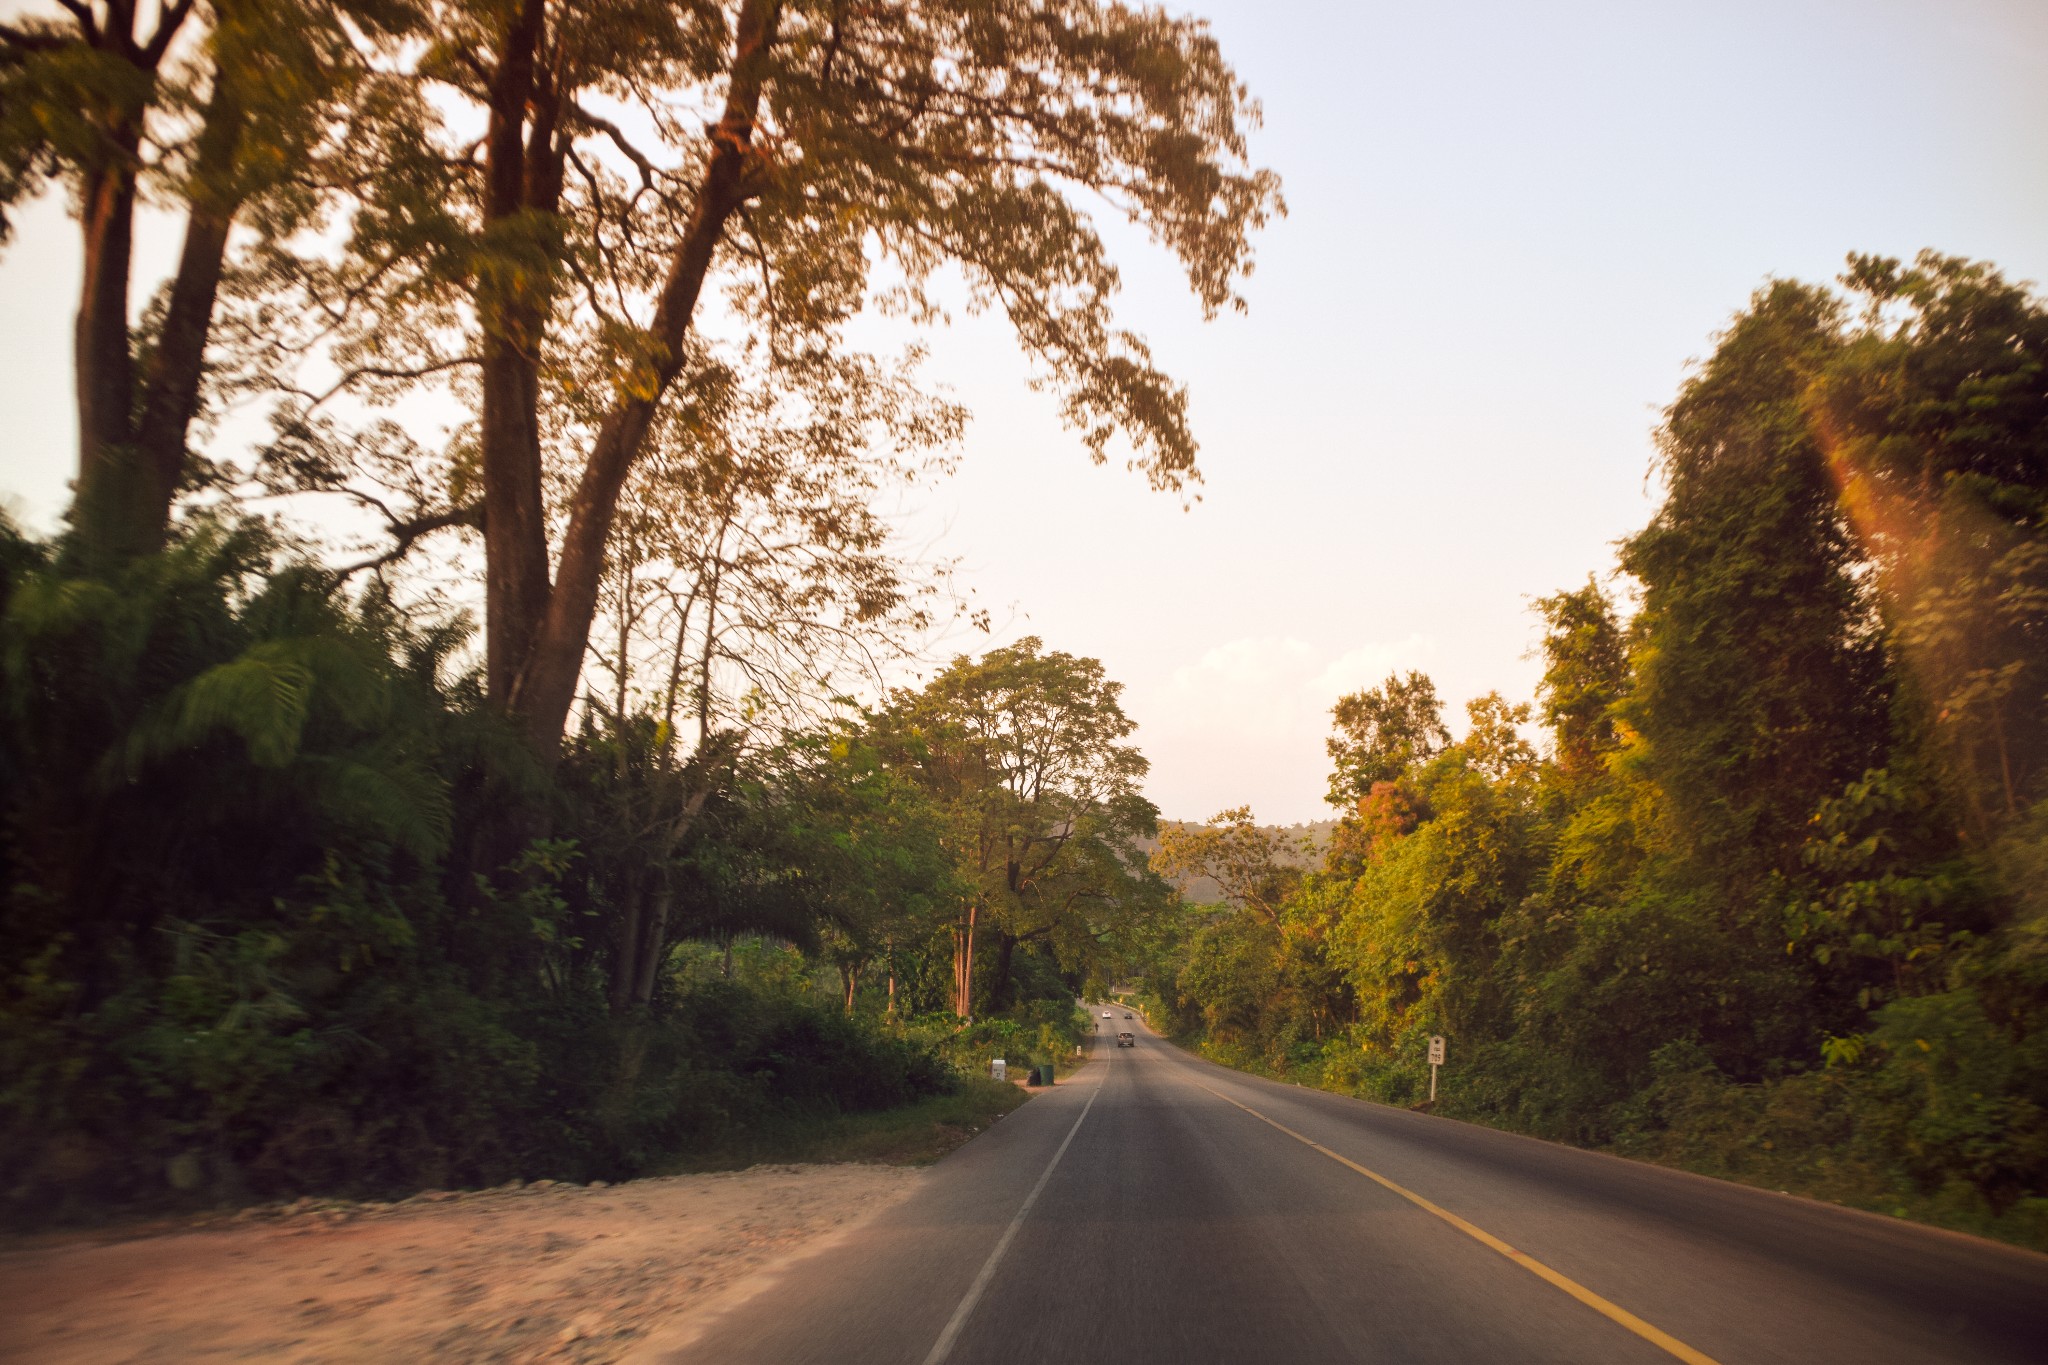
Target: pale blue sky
(1512, 226)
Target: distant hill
(1205, 891)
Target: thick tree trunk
(515, 525)
(655, 951)
(131, 441)
(546, 688)
(170, 385)
(629, 934)
(114, 491)
(512, 310)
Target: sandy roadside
(551, 1273)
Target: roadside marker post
(1436, 1059)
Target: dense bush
(279, 918)
(1771, 907)
(1033, 1033)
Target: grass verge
(915, 1135)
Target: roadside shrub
(259, 941)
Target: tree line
(1768, 901)
(474, 552)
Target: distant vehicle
(1105, 1014)
(1127, 1016)
(1126, 1040)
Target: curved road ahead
(1157, 1208)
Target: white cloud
(1369, 665)
(1245, 723)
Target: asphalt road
(1156, 1208)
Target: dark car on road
(1126, 1040)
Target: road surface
(1157, 1208)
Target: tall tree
(1381, 732)
(1258, 869)
(852, 154)
(1422, 930)
(1585, 673)
(1934, 420)
(226, 106)
(1759, 682)
(1026, 750)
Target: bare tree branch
(408, 533)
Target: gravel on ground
(540, 1272)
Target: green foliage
(1256, 869)
(1232, 974)
(1936, 428)
(1771, 907)
(1585, 678)
(1024, 756)
(1890, 889)
(1033, 1034)
(1759, 685)
(1381, 732)
(1422, 923)
(258, 927)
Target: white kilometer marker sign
(1436, 1059)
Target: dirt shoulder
(538, 1273)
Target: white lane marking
(943, 1347)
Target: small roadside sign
(1436, 1049)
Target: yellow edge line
(1611, 1311)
